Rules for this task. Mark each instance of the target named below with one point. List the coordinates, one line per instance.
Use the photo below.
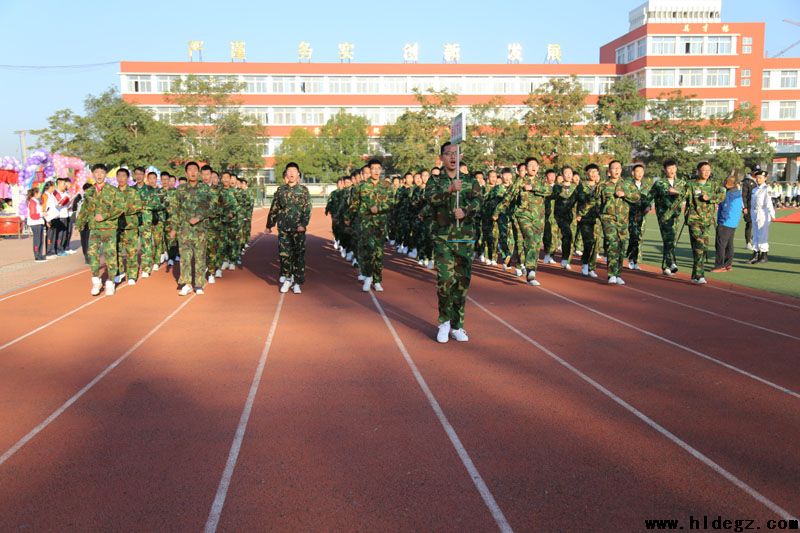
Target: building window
(747, 45)
(784, 137)
(662, 78)
(372, 114)
(764, 110)
(259, 115)
(631, 52)
(691, 45)
(391, 114)
(256, 84)
(765, 80)
(340, 85)
(423, 84)
(283, 115)
(368, 85)
(605, 85)
(395, 85)
(140, 84)
(719, 45)
(747, 40)
(788, 110)
(641, 47)
(662, 46)
(745, 82)
(312, 116)
(164, 83)
(453, 85)
(283, 84)
(716, 108)
(502, 86)
(745, 72)
(788, 79)
(718, 77)
(587, 84)
(311, 85)
(690, 77)
(622, 57)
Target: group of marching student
(200, 221)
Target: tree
(493, 139)
(614, 120)
(301, 146)
(740, 143)
(555, 110)
(342, 144)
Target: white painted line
(783, 243)
(94, 300)
(82, 271)
(712, 313)
(233, 455)
(480, 484)
(750, 491)
(677, 345)
(66, 405)
(753, 296)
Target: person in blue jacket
(728, 215)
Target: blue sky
(88, 31)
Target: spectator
(35, 221)
(796, 194)
(727, 221)
(748, 184)
(775, 194)
(763, 212)
(7, 208)
(62, 199)
(50, 211)
(78, 204)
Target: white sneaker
(564, 263)
(211, 280)
(673, 267)
(578, 253)
(231, 266)
(699, 281)
(620, 281)
(493, 263)
(131, 282)
(354, 262)
(482, 259)
(97, 284)
(391, 243)
(413, 254)
(186, 289)
(443, 334)
(155, 268)
(199, 291)
(750, 246)
(224, 265)
(145, 274)
(421, 262)
(177, 259)
(349, 256)
(110, 288)
(549, 260)
(429, 266)
(296, 289)
(69, 252)
(612, 280)
(171, 262)
(593, 274)
(367, 284)
(585, 270)
(378, 287)
(636, 266)
(118, 278)
(518, 272)
(631, 265)
(238, 262)
(459, 334)
(361, 277)
(287, 284)
(531, 275)
(668, 272)
(335, 245)
(218, 273)
(343, 252)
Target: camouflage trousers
(213, 247)
(588, 232)
(531, 231)
(231, 250)
(105, 242)
(292, 255)
(551, 235)
(503, 249)
(491, 235)
(370, 250)
(615, 234)
(668, 236)
(636, 230)
(454, 264)
(148, 257)
(700, 236)
(159, 242)
(128, 246)
(193, 246)
(565, 227)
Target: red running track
(574, 406)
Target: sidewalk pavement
(18, 270)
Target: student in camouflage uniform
(613, 197)
(638, 213)
(351, 220)
(503, 222)
(550, 237)
(586, 215)
(668, 194)
(330, 209)
(702, 196)
(291, 211)
(169, 199)
(128, 229)
(213, 225)
(528, 194)
(416, 204)
(159, 215)
(564, 210)
(372, 203)
(150, 203)
(454, 204)
(479, 239)
(492, 197)
(401, 213)
(340, 213)
(231, 224)
(194, 205)
(102, 206)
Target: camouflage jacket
(609, 204)
(698, 210)
(584, 202)
(565, 198)
(108, 203)
(291, 207)
(442, 204)
(368, 195)
(152, 202)
(228, 205)
(491, 199)
(645, 188)
(667, 205)
(524, 203)
(133, 209)
(192, 202)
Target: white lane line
(233, 455)
(82, 271)
(676, 344)
(480, 484)
(753, 296)
(66, 405)
(750, 491)
(712, 313)
(94, 300)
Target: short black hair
(612, 162)
(355, 173)
(637, 165)
(242, 179)
(528, 160)
(670, 163)
(206, 167)
(550, 171)
(374, 161)
(445, 145)
(521, 165)
(226, 172)
(407, 174)
(701, 164)
(506, 170)
(365, 167)
(182, 178)
(478, 172)
(125, 170)
(165, 173)
(189, 164)
(100, 166)
(565, 167)
(87, 186)
(151, 173)
(139, 169)
(591, 166)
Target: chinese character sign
(452, 53)
(195, 46)
(346, 52)
(304, 51)
(237, 50)
(411, 52)
(554, 53)
(514, 53)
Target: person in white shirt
(50, 211)
(35, 221)
(63, 200)
(763, 212)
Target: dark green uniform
(371, 228)
(490, 227)
(701, 218)
(291, 207)
(128, 233)
(110, 205)
(193, 202)
(586, 209)
(529, 209)
(637, 219)
(668, 213)
(564, 210)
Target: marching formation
(200, 221)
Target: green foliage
(301, 147)
(614, 118)
(342, 144)
(741, 144)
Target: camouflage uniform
(172, 244)
(550, 237)
(453, 242)
(330, 209)
(372, 226)
(490, 229)
(128, 233)
(701, 218)
(159, 224)
(529, 209)
(214, 231)
(231, 225)
(637, 221)
(150, 203)
(564, 210)
(587, 227)
(667, 212)
(614, 216)
(193, 202)
(110, 205)
(291, 207)
(402, 210)
(416, 204)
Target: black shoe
(756, 257)
(763, 258)
(674, 270)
